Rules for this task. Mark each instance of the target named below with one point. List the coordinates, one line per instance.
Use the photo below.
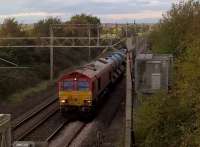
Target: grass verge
(19, 96)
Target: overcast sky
(119, 11)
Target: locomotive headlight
(88, 102)
(63, 101)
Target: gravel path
(114, 134)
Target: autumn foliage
(173, 120)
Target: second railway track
(25, 124)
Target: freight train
(81, 89)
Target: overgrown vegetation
(173, 120)
(16, 80)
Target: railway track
(75, 135)
(32, 119)
(57, 131)
(73, 129)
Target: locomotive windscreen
(83, 86)
(67, 85)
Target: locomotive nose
(76, 98)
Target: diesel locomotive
(80, 90)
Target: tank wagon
(81, 89)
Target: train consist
(81, 89)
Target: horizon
(102, 23)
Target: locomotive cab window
(68, 85)
(83, 85)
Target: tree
(85, 19)
(42, 28)
(172, 32)
(82, 31)
(11, 28)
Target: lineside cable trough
(129, 133)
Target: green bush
(163, 121)
(177, 28)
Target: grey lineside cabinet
(153, 72)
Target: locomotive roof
(94, 68)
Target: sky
(109, 11)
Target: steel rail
(19, 122)
(75, 135)
(36, 125)
(57, 130)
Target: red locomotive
(81, 89)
